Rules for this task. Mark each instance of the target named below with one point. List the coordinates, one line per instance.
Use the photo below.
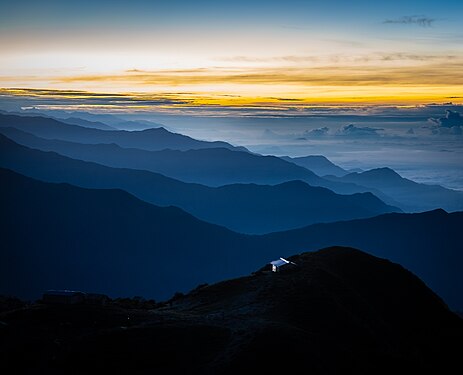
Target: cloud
(432, 73)
(347, 131)
(451, 119)
(216, 104)
(452, 123)
(284, 99)
(454, 130)
(267, 133)
(404, 56)
(274, 59)
(333, 58)
(319, 132)
(420, 20)
(42, 98)
(355, 131)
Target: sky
(236, 53)
(365, 83)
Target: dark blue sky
(162, 16)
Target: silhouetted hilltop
(86, 123)
(66, 118)
(388, 174)
(427, 243)
(112, 120)
(136, 125)
(409, 195)
(339, 311)
(318, 164)
(244, 208)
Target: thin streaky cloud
(429, 74)
(196, 103)
(421, 21)
(336, 58)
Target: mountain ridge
(150, 139)
(409, 195)
(244, 208)
(319, 164)
(340, 311)
(114, 243)
(244, 165)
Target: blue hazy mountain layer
(214, 167)
(150, 139)
(66, 237)
(410, 195)
(247, 208)
(317, 164)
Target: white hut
(279, 264)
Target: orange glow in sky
(208, 55)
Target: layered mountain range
(248, 208)
(218, 163)
(153, 212)
(108, 240)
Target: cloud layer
(419, 20)
(451, 123)
(354, 131)
(431, 73)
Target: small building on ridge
(282, 264)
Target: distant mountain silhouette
(210, 166)
(340, 311)
(137, 125)
(213, 167)
(61, 236)
(150, 139)
(65, 119)
(410, 195)
(245, 208)
(87, 124)
(113, 121)
(318, 164)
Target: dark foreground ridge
(339, 311)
